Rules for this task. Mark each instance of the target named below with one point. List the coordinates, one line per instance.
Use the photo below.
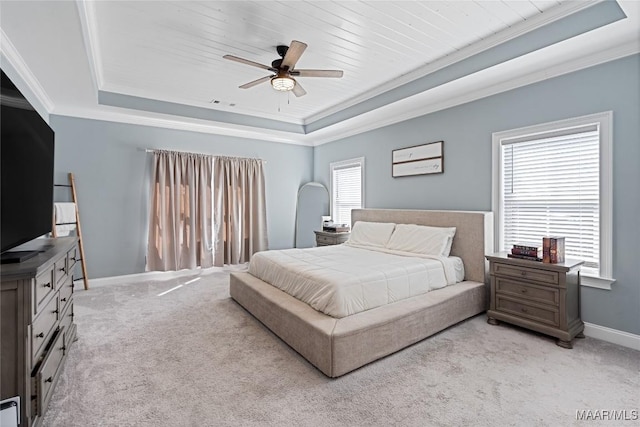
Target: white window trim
(605, 121)
(340, 164)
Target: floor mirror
(313, 204)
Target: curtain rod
(155, 150)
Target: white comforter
(342, 280)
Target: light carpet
(194, 357)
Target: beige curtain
(180, 228)
(240, 217)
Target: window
(347, 189)
(555, 179)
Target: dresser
(37, 324)
(539, 296)
(327, 238)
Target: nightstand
(326, 238)
(539, 296)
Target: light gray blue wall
(466, 183)
(112, 177)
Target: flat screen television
(26, 173)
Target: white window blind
(551, 187)
(346, 189)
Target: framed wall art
(418, 160)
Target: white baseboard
(614, 336)
(156, 275)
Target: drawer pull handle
(47, 285)
(524, 310)
(40, 335)
(524, 290)
(73, 259)
(48, 380)
(56, 311)
(62, 269)
(63, 299)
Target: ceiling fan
(284, 69)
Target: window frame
(604, 277)
(339, 165)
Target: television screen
(26, 169)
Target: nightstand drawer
(541, 294)
(326, 240)
(538, 314)
(525, 273)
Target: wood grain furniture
(37, 324)
(539, 296)
(74, 199)
(337, 346)
(327, 238)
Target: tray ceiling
(166, 57)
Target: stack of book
(553, 249)
(524, 252)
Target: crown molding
(523, 27)
(395, 113)
(388, 115)
(86, 12)
(136, 117)
(11, 54)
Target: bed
(338, 345)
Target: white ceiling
(161, 62)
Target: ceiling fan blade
(317, 73)
(255, 82)
(247, 62)
(298, 90)
(294, 52)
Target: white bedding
(342, 280)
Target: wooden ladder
(74, 198)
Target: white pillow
(422, 239)
(371, 233)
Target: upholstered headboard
(473, 239)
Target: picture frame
(423, 159)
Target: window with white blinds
(346, 189)
(549, 182)
(551, 188)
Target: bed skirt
(338, 346)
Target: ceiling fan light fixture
(283, 83)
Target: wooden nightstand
(326, 238)
(539, 296)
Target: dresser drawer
(47, 375)
(66, 292)
(530, 292)
(547, 316)
(525, 273)
(66, 320)
(43, 288)
(42, 328)
(73, 256)
(60, 270)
